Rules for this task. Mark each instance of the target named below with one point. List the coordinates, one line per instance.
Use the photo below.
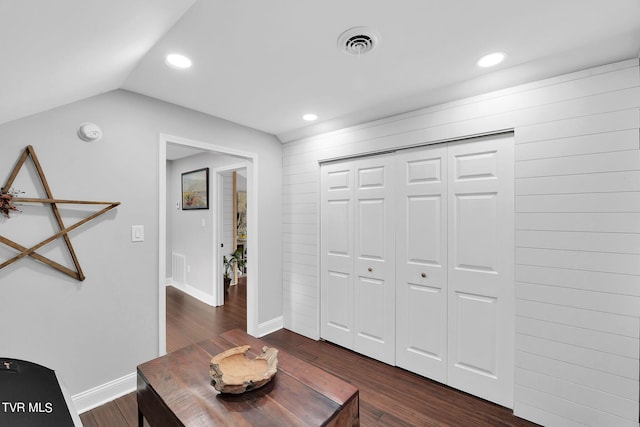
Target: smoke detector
(89, 132)
(358, 40)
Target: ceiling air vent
(358, 40)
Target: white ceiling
(263, 63)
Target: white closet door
(481, 272)
(337, 254)
(374, 250)
(421, 253)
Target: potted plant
(228, 264)
(241, 260)
(235, 259)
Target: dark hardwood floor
(389, 396)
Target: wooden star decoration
(63, 231)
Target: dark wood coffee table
(176, 390)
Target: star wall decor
(63, 232)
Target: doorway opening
(232, 224)
(246, 161)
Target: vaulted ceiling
(264, 63)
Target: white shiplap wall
(578, 269)
(577, 232)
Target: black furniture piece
(31, 396)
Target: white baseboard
(104, 393)
(270, 326)
(196, 293)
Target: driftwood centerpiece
(233, 372)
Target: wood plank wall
(577, 248)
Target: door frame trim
(251, 160)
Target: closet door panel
(371, 234)
(374, 249)
(337, 297)
(481, 276)
(476, 231)
(421, 272)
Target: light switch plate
(137, 233)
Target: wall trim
(97, 396)
(194, 292)
(270, 326)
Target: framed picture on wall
(195, 189)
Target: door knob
(369, 269)
(424, 275)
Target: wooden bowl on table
(234, 372)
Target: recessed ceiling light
(491, 59)
(177, 61)
(309, 117)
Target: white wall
(192, 231)
(241, 180)
(577, 221)
(97, 331)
